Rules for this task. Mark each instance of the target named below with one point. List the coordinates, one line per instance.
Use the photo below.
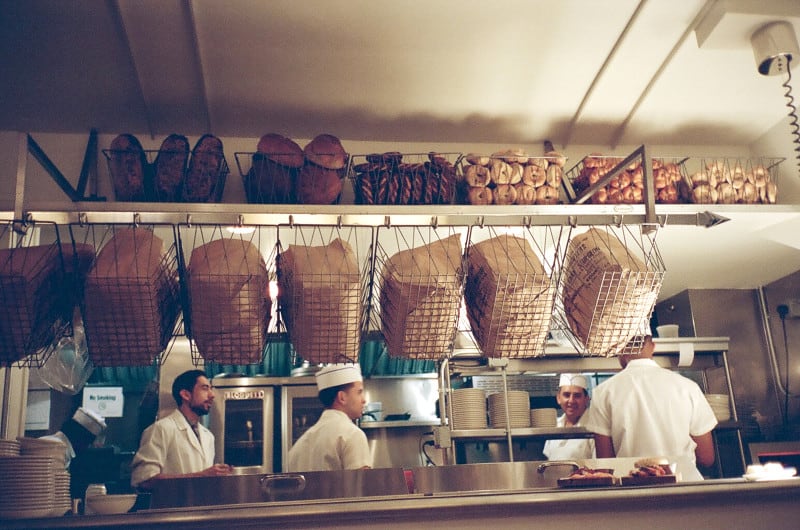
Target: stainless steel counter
(728, 503)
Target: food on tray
(589, 473)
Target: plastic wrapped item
(68, 367)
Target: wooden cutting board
(589, 482)
(647, 481)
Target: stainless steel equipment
(242, 420)
(300, 409)
(254, 488)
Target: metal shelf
(530, 433)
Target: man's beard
(199, 410)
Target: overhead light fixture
(240, 230)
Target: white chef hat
(338, 374)
(574, 380)
(90, 420)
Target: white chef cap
(574, 380)
(90, 420)
(338, 374)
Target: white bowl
(667, 331)
(108, 504)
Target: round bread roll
(546, 195)
(479, 196)
(505, 194)
(479, 160)
(477, 176)
(538, 161)
(326, 151)
(318, 185)
(556, 158)
(515, 173)
(534, 175)
(281, 150)
(526, 194)
(553, 175)
(500, 171)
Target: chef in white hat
(335, 441)
(573, 398)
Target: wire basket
(510, 178)
(269, 182)
(608, 288)
(225, 284)
(627, 187)
(510, 290)
(162, 176)
(131, 303)
(323, 279)
(34, 306)
(404, 178)
(415, 302)
(716, 180)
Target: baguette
(205, 170)
(170, 167)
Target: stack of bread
(512, 177)
(509, 297)
(281, 172)
(131, 299)
(608, 292)
(229, 301)
(628, 186)
(320, 300)
(386, 179)
(29, 281)
(420, 299)
(174, 176)
(725, 181)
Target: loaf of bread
(509, 297)
(321, 301)
(420, 299)
(325, 150)
(206, 170)
(131, 299)
(229, 301)
(608, 292)
(273, 174)
(30, 282)
(128, 167)
(170, 168)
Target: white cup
(667, 331)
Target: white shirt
(333, 443)
(569, 448)
(650, 411)
(170, 446)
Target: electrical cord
(422, 448)
(794, 123)
(783, 310)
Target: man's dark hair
(328, 395)
(185, 381)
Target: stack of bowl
(519, 407)
(543, 418)
(469, 409)
(720, 404)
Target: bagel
(479, 196)
(477, 176)
(505, 194)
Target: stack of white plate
(9, 447)
(55, 449)
(518, 409)
(28, 486)
(543, 418)
(62, 500)
(469, 409)
(720, 404)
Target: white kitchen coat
(569, 448)
(170, 446)
(649, 411)
(333, 443)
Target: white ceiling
(585, 72)
(503, 72)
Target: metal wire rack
(510, 290)
(269, 182)
(34, 304)
(130, 303)
(510, 179)
(225, 285)
(404, 178)
(416, 301)
(731, 180)
(153, 175)
(627, 187)
(323, 277)
(609, 285)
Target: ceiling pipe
(620, 131)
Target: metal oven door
(242, 420)
(300, 409)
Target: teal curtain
(130, 378)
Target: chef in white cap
(573, 398)
(335, 441)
